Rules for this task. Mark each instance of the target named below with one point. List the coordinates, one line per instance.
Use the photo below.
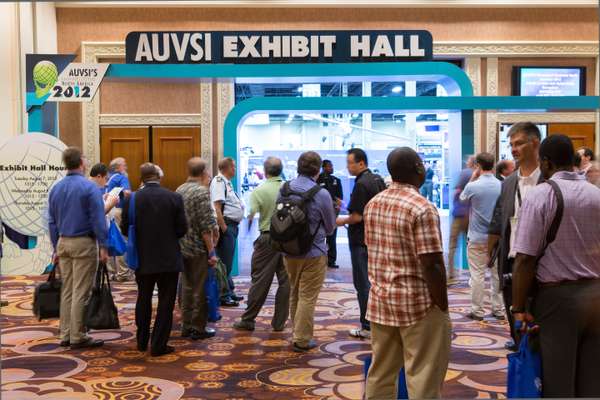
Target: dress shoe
(243, 326)
(510, 345)
(185, 332)
(279, 329)
(162, 352)
(334, 266)
(197, 335)
(64, 343)
(474, 317)
(303, 349)
(229, 303)
(142, 348)
(88, 343)
(235, 297)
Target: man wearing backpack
(304, 217)
(366, 186)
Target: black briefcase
(100, 310)
(46, 297)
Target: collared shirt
(332, 184)
(221, 190)
(575, 252)
(400, 225)
(367, 185)
(526, 183)
(263, 201)
(481, 196)
(199, 214)
(75, 208)
(321, 215)
(117, 179)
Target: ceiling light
(397, 89)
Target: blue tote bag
(524, 372)
(213, 299)
(132, 255)
(115, 242)
(402, 389)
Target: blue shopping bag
(213, 298)
(524, 372)
(115, 243)
(132, 255)
(402, 390)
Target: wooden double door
(170, 147)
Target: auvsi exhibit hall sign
(260, 47)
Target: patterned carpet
(232, 365)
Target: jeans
(360, 277)
(225, 250)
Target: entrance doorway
(168, 146)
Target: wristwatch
(516, 310)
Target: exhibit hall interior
(247, 199)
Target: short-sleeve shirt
(200, 217)
(263, 201)
(400, 225)
(482, 195)
(575, 252)
(332, 184)
(221, 190)
(366, 186)
(118, 180)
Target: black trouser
(167, 291)
(266, 263)
(332, 245)
(569, 319)
(507, 296)
(225, 250)
(194, 308)
(360, 277)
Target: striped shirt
(400, 225)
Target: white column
(473, 70)
(410, 88)
(10, 79)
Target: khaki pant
(423, 349)
(194, 310)
(117, 267)
(477, 254)
(459, 226)
(78, 260)
(306, 279)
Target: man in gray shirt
(481, 193)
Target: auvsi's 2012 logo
(45, 75)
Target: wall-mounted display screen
(549, 81)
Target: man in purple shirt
(565, 305)
(77, 230)
(307, 272)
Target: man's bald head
(405, 166)
(196, 167)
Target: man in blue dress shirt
(78, 233)
(117, 266)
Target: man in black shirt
(333, 185)
(366, 186)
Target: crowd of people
(533, 224)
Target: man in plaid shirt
(408, 301)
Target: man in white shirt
(524, 140)
(230, 212)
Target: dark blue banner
(259, 47)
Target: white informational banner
(78, 82)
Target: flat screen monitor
(548, 81)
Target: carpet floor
(232, 365)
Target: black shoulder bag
(100, 310)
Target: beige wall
(77, 25)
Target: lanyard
(519, 194)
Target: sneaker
(474, 317)
(229, 303)
(87, 343)
(303, 349)
(334, 266)
(243, 326)
(360, 333)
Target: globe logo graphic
(45, 75)
(29, 165)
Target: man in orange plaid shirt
(408, 301)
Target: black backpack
(290, 228)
